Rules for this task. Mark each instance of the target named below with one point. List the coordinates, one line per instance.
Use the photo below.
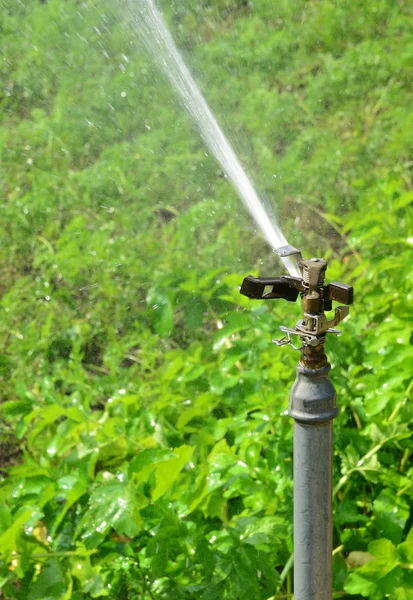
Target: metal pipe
(312, 512)
(313, 407)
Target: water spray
(313, 408)
(153, 31)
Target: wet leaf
(113, 505)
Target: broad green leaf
(385, 558)
(113, 505)
(144, 463)
(15, 408)
(50, 583)
(47, 416)
(375, 403)
(405, 550)
(358, 585)
(391, 513)
(167, 471)
(8, 539)
(162, 311)
(71, 497)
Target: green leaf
(194, 311)
(71, 497)
(359, 585)
(168, 471)
(47, 416)
(405, 550)
(375, 403)
(391, 512)
(8, 539)
(193, 372)
(144, 463)
(96, 587)
(5, 518)
(162, 311)
(379, 573)
(50, 584)
(15, 408)
(113, 505)
(403, 593)
(385, 558)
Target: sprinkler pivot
(313, 408)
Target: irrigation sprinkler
(313, 408)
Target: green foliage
(145, 448)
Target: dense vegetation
(145, 448)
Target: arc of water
(155, 34)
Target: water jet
(153, 31)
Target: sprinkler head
(317, 297)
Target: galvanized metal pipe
(313, 407)
(312, 512)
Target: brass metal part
(312, 303)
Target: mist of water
(153, 30)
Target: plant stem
(338, 549)
(401, 402)
(360, 463)
(286, 569)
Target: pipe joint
(313, 396)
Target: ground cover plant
(145, 449)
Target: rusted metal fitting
(314, 357)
